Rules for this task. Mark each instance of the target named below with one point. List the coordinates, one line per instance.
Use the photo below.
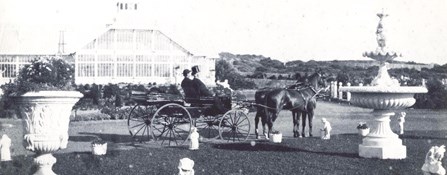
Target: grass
(424, 128)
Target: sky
(285, 30)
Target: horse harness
(306, 101)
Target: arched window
(135, 6)
(126, 6)
(121, 6)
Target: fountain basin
(383, 97)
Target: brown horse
(296, 100)
(260, 112)
(260, 109)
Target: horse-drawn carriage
(168, 119)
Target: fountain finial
(381, 53)
(381, 39)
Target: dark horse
(302, 100)
(260, 111)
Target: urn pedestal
(46, 115)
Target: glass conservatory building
(136, 56)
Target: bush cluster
(436, 98)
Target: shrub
(45, 73)
(436, 98)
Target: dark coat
(189, 88)
(202, 90)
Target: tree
(224, 70)
(436, 98)
(343, 77)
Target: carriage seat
(202, 101)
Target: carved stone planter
(46, 115)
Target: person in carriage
(196, 92)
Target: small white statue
(326, 130)
(194, 139)
(433, 161)
(401, 121)
(186, 167)
(5, 144)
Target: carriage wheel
(139, 121)
(234, 126)
(208, 127)
(171, 125)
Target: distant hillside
(249, 64)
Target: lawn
(423, 129)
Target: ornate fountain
(384, 95)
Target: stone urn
(46, 116)
(384, 96)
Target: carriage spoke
(137, 119)
(242, 121)
(242, 125)
(175, 136)
(136, 133)
(137, 125)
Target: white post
(348, 94)
(340, 93)
(334, 91)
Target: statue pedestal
(381, 142)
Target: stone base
(383, 152)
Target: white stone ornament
(194, 139)
(186, 167)
(433, 161)
(46, 116)
(401, 122)
(5, 151)
(326, 130)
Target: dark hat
(186, 71)
(195, 69)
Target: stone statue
(326, 130)
(380, 36)
(401, 121)
(186, 167)
(433, 161)
(5, 144)
(194, 139)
